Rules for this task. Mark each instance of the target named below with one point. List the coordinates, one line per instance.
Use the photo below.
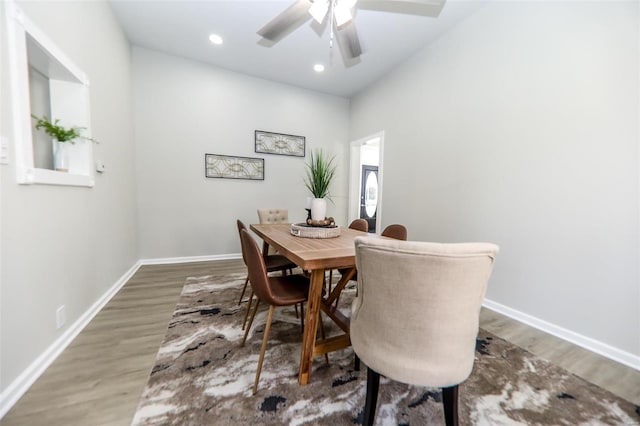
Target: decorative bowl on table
(327, 222)
(316, 229)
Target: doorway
(369, 195)
(365, 180)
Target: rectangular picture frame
(233, 167)
(279, 144)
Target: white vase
(61, 156)
(318, 209)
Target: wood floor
(98, 379)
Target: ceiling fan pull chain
(333, 4)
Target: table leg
(311, 325)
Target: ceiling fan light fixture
(342, 14)
(318, 10)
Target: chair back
(272, 216)
(256, 268)
(359, 225)
(415, 319)
(399, 232)
(242, 226)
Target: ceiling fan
(340, 14)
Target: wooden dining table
(316, 255)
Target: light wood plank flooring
(98, 379)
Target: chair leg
(264, 348)
(253, 314)
(243, 289)
(246, 314)
(356, 362)
(373, 382)
(450, 402)
(301, 317)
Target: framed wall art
(231, 167)
(280, 144)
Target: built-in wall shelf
(45, 82)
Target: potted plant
(320, 172)
(61, 135)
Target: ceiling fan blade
(425, 2)
(291, 18)
(413, 7)
(349, 41)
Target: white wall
(520, 127)
(185, 109)
(68, 245)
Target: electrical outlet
(4, 150)
(61, 316)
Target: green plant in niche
(58, 132)
(320, 172)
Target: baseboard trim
(608, 351)
(23, 382)
(190, 259)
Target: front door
(369, 196)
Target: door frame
(355, 170)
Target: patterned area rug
(203, 377)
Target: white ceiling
(182, 28)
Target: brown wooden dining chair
(358, 225)
(275, 262)
(284, 290)
(438, 290)
(395, 231)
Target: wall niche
(46, 83)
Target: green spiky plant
(320, 172)
(58, 132)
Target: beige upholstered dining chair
(273, 215)
(415, 318)
(284, 290)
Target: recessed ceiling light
(318, 67)
(215, 39)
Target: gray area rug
(203, 377)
